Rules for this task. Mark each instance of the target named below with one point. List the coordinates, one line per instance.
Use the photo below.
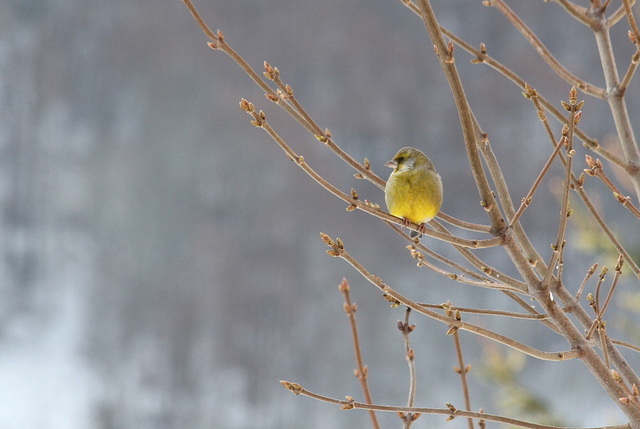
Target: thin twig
(451, 411)
(422, 262)
(444, 51)
(574, 115)
(482, 57)
(479, 264)
(631, 396)
(632, 20)
(617, 101)
(362, 372)
(616, 357)
(618, 15)
(578, 12)
(527, 199)
(598, 322)
(282, 98)
(465, 225)
(468, 310)
(406, 329)
(605, 228)
(586, 279)
(462, 370)
(618, 273)
(338, 250)
(631, 71)
(286, 93)
(596, 169)
(259, 120)
(627, 345)
(515, 284)
(578, 187)
(562, 72)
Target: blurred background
(161, 265)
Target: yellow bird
(414, 189)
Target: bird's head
(408, 158)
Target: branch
(337, 250)
(565, 74)
(618, 15)
(617, 103)
(260, 121)
(527, 199)
(481, 57)
(573, 107)
(632, 20)
(462, 370)
(449, 307)
(444, 52)
(451, 411)
(282, 97)
(578, 12)
(363, 371)
(596, 169)
(406, 329)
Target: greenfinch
(414, 189)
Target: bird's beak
(391, 164)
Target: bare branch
(565, 74)
(362, 372)
(462, 370)
(451, 411)
(406, 329)
(337, 250)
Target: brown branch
(618, 273)
(627, 345)
(449, 307)
(479, 264)
(512, 282)
(527, 199)
(617, 103)
(422, 262)
(631, 70)
(363, 370)
(573, 306)
(462, 370)
(578, 12)
(596, 169)
(632, 20)
(465, 225)
(350, 404)
(337, 250)
(444, 51)
(481, 57)
(605, 228)
(260, 121)
(286, 93)
(618, 15)
(406, 329)
(562, 72)
(282, 97)
(586, 279)
(573, 107)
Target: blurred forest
(161, 265)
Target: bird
(414, 189)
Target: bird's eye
(399, 159)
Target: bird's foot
(422, 228)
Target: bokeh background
(161, 265)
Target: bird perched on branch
(414, 189)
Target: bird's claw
(422, 228)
